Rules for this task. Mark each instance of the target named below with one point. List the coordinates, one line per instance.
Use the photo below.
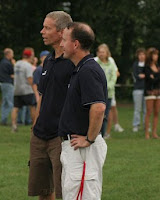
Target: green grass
(131, 170)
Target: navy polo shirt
(53, 86)
(88, 85)
(6, 70)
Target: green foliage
(124, 25)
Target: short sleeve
(92, 87)
(29, 72)
(36, 77)
(41, 88)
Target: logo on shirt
(44, 73)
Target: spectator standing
(6, 82)
(23, 92)
(38, 72)
(113, 114)
(103, 55)
(139, 84)
(83, 148)
(152, 91)
(45, 145)
(24, 115)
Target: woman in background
(103, 55)
(152, 91)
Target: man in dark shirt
(6, 81)
(83, 148)
(45, 147)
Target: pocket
(92, 189)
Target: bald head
(83, 33)
(8, 53)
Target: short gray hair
(61, 18)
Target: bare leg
(109, 124)
(14, 119)
(117, 126)
(48, 197)
(149, 110)
(155, 118)
(32, 111)
(115, 114)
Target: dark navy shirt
(6, 70)
(139, 83)
(88, 85)
(53, 86)
(37, 75)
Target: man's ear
(76, 44)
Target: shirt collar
(82, 62)
(52, 56)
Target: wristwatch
(91, 142)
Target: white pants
(72, 167)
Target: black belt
(63, 138)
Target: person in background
(113, 114)
(139, 84)
(34, 63)
(152, 91)
(38, 72)
(6, 82)
(24, 115)
(23, 92)
(103, 54)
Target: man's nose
(42, 31)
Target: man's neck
(25, 59)
(58, 50)
(77, 58)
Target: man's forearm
(37, 109)
(96, 116)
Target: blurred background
(124, 25)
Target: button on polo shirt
(53, 86)
(88, 85)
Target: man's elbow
(100, 108)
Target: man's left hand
(79, 141)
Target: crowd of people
(146, 93)
(70, 98)
(19, 86)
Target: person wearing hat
(37, 73)
(23, 81)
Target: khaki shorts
(45, 167)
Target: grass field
(131, 171)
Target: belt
(66, 137)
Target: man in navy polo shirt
(45, 146)
(83, 148)
(6, 82)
